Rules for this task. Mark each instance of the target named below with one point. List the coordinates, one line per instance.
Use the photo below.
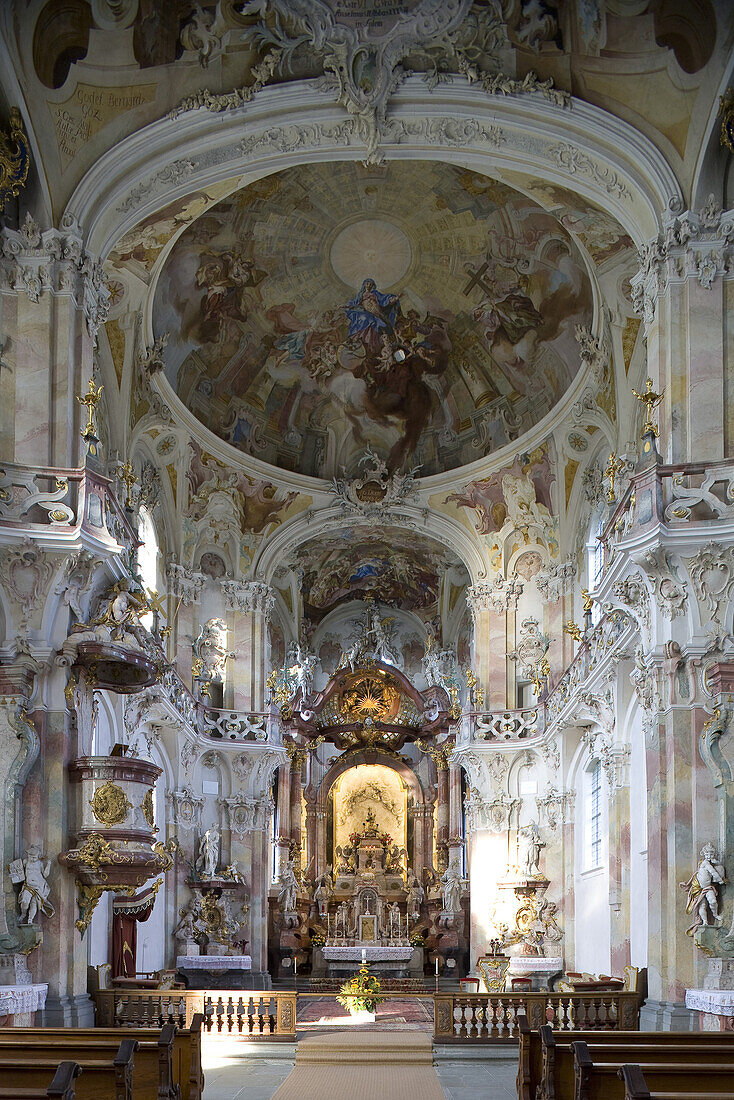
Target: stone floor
(234, 1074)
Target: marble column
(442, 814)
(296, 798)
(249, 604)
(184, 591)
(455, 837)
(283, 818)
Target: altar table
(373, 953)
(19, 1002)
(220, 972)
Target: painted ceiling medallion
(416, 310)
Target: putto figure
(35, 890)
(702, 889)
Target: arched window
(148, 553)
(593, 817)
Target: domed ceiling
(417, 307)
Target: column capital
(184, 582)
(54, 261)
(248, 596)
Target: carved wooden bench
(31, 1067)
(61, 1087)
(163, 1064)
(636, 1088)
(540, 1076)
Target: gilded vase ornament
(14, 158)
(613, 470)
(110, 804)
(90, 400)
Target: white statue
(209, 853)
(322, 895)
(394, 919)
(35, 889)
(702, 890)
(211, 650)
(416, 895)
(288, 883)
(452, 888)
(342, 916)
(189, 927)
(302, 670)
(531, 847)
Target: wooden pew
(108, 1078)
(635, 1088)
(597, 1080)
(186, 1071)
(61, 1088)
(546, 1064)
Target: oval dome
(416, 308)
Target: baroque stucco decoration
(362, 57)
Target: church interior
(367, 548)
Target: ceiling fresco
(393, 566)
(417, 308)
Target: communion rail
(248, 1015)
(493, 1017)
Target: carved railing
(676, 495)
(494, 1017)
(241, 1013)
(501, 725)
(64, 499)
(599, 644)
(237, 725)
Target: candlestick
(328, 925)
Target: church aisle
(363, 1066)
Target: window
(593, 823)
(147, 557)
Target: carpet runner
(363, 1066)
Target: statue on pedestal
(322, 895)
(35, 889)
(209, 853)
(530, 848)
(702, 890)
(416, 896)
(452, 888)
(288, 894)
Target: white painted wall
(591, 884)
(638, 849)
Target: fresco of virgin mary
(371, 315)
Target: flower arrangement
(317, 940)
(361, 993)
(416, 939)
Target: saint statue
(288, 895)
(35, 889)
(322, 896)
(209, 853)
(416, 895)
(452, 888)
(531, 848)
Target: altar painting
(365, 788)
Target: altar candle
(436, 965)
(328, 925)
(295, 965)
(364, 956)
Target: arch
(370, 756)
(627, 174)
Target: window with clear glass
(594, 831)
